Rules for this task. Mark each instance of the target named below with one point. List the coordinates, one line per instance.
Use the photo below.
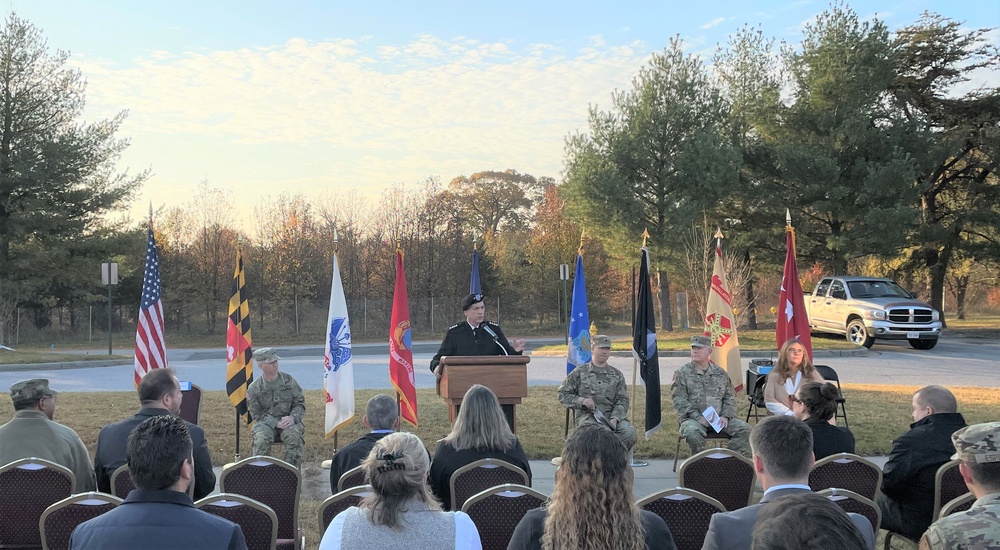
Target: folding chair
(687, 513)
(191, 404)
(355, 477)
(830, 375)
(959, 504)
(722, 474)
(948, 485)
(849, 501)
(847, 471)
(335, 504)
(498, 510)
(711, 438)
(58, 521)
(257, 521)
(27, 488)
(756, 398)
(481, 475)
(274, 483)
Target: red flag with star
(793, 322)
(720, 322)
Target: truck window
(837, 290)
(821, 288)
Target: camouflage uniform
(978, 528)
(606, 386)
(268, 403)
(692, 391)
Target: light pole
(109, 277)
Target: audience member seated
(592, 506)
(815, 404)
(382, 417)
(793, 370)
(782, 458)
(805, 520)
(32, 433)
(159, 394)
(907, 497)
(480, 431)
(402, 512)
(978, 448)
(159, 514)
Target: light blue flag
(579, 322)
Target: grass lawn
(877, 414)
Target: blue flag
(474, 286)
(579, 322)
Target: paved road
(956, 362)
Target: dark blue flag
(474, 286)
(644, 346)
(579, 322)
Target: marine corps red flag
(400, 354)
(239, 372)
(792, 319)
(720, 324)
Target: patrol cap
(266, 355)
(602, 341)
(470, 300)
(979, 443)
(701, 341)
(27, 391)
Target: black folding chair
(830, 375)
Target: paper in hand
(712, 416)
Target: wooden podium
(507, 376)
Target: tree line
(882, 145)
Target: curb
(66, 365)
(863, 352)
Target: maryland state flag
(719, 321)
(644, 347)
(239, 373)
(793, 322)
(400, 354)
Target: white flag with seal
(338, 370)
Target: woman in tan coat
(794, 369)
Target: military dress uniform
(462, 339)
(692, 391)
(978, 528)
(606, 386)
(268, 403)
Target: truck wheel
(923, 344)
(857, 334)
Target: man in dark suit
(382, 417)
(782, 458)
(159, 394)
(475, 336)
(159, 514)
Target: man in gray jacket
(782, 458)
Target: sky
(260, 98)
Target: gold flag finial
(475, 245)
(718, 234)
(645, 236)
(579, 250)
(788, 218)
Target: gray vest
(423, 529)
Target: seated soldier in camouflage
(597, 393)
(699, 384)
(277, 406)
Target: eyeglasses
(796, 351)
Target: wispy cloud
(712, 23)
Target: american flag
(150, 350)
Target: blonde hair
(481, 424)
(592, 507)
(784, 370)
(397, 469)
